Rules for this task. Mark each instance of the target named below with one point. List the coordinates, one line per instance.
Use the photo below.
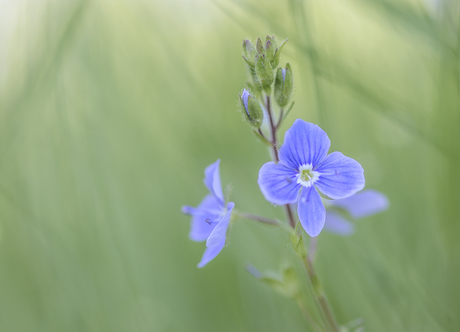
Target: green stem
(318, 290)
(309, 318)
(273, 130)
(257, 218)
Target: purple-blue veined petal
(363, 204)
(216, 241)
(304, 143)
(278, 183)
(212, 180)
(220, 231)
(203, 217)
(312, 213)
(210, 254)
(339, 176)
(337, 224)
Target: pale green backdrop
(110, 111)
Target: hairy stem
(308, 316)
(318, 290)
(273, 129)
(258, 218)
(312, 249)
(290, 215)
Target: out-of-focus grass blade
(14, 108)
(339, 74)
(406, 16)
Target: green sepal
(248, 62)
(287, 284)
(288, 111)
(253, 113)
(264, 71)
(256, 83)
(272, 40)
(299, 245)
(261, 138)
(248, 52)
(260, 47)
(269, 49)
(276, 57)
(283, 85)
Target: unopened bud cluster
(262, 61)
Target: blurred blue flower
(303, 169)
(360, 205)
(210, 219)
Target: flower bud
(269, 49)
(260, 46)
(272, 40)
(251, 109)
(255, 80)
(283, 85)
(264, 72)
(248, 52)
(275, 60)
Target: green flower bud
(248, 52)
(260, 46)
(251, 109)
(255, 80)
(284, 83)
(275, 60)
(269, 49)
(272, 40)
(264, 72)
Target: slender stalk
(280, 119)
(272, 129)
(288, 210)
(312, 249)
(308, 316)
(317, 288)
(258, 218)
(262, 134)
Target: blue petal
(304, 143)
(210, 254)
(363, 204)
(337, 224)
(220, 231)
(212, 180)
(216, 240)
(210, 209)
(312, 213)
(278, 183)
(339, 176)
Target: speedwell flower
(210, 219)
(303, 169)
(363, 204)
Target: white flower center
(307, 176)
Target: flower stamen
(307, 176)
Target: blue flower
(363, 204)
(210, 219)
(303, 169)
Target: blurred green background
(110, 111)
